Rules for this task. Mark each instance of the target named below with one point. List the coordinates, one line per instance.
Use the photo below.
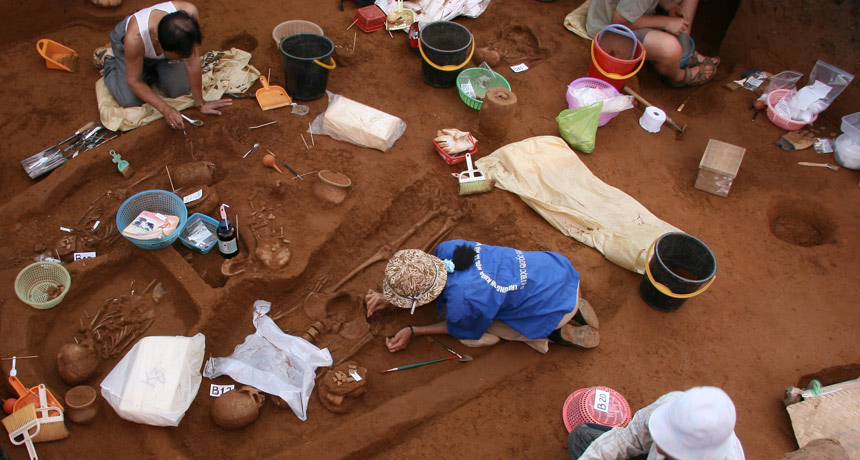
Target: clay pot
(81, 404)
(332, 186)
(193, 173)
(207, 203)
(238, 408)
(76, 363)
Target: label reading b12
(601, 400)
(219, 390)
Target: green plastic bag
(579, 126)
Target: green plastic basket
(475, 72)
(34, 281)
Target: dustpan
(272, 97)
(57, 56)
(402, 18)
(31, 396)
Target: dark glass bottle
(228, 245)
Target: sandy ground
(783, 307)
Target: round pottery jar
(76, 363)
(238, 408)
(81, 404)
(332, 186)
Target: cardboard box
(719, 167)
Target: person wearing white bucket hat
(697, 424)
(488, 293)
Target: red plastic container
(452, 160)
(609, 68)
(370, 18)
(586, 405)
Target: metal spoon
(255, 147)
(192, 121)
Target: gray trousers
(583, 435)
(170, 76)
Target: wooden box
(718, 167)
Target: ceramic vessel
(81, 404)
(238, 408)
(332, 186)
(76, 363)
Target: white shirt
(635, 439)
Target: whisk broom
(473, 180)
(23, 426)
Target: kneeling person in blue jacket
(488, 293)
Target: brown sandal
(698, 59)
(693, 80)
(576, 336)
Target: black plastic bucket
(307, 60)
(682, 267)
(446, 47)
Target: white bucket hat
(697, 425)
(413, 278)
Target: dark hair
(464, 257)
(178, 32)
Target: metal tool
(286, 165)
(192, 121)
(255, 147)
(463, 358)
(410, 366)
(680, 131)
(829, 166)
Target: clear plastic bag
(832, 76)
(359, 124)
(579, 126)
(156, 381)
(273, 362)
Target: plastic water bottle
(228, 246)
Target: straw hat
(698, 424)
(413, 278)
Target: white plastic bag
(156, 381)
(273, 362)
(356, 123)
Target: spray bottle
(228, 245)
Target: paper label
(467, 89)
(519, 68)
(194, 196)
(354, 374)
(601, 400)
(96, 225)
(219, 390)
(228, 247)
(84, 255)
(752, 83)
(160, 216)
(66, 229)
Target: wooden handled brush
(472, 180)
(23, 426)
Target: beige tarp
(550, 178)
(223, 72)
(575, 20)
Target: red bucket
(609, 52)
(600, 405)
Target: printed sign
(194, 196)
(84, 255)
(519, 68)
(601, 400)
(219, 390)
